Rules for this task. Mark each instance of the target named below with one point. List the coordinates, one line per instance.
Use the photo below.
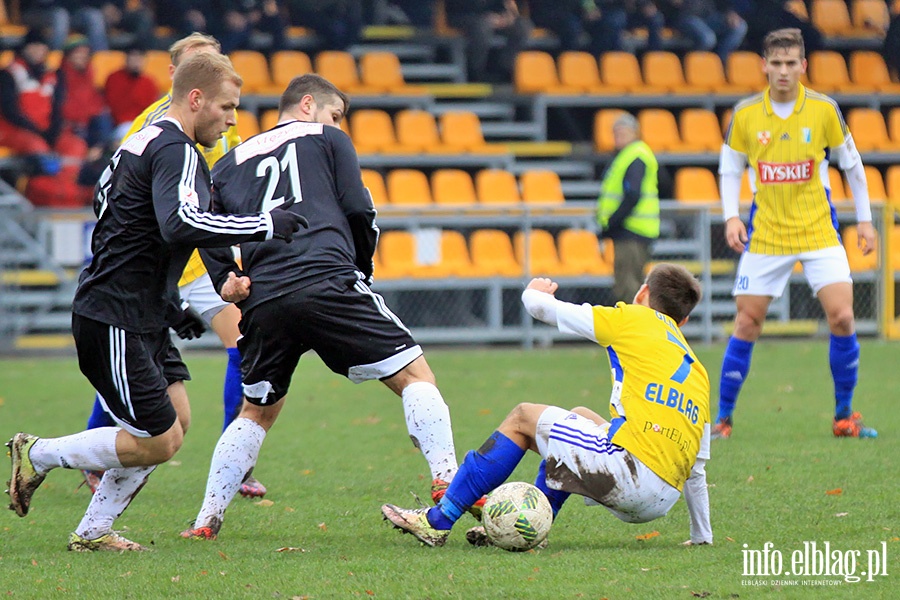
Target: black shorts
(130, 372)
(348, 325)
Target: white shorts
(768, 274)
(201, 295)
(581, 460)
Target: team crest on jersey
(763, 137)
(806, 135)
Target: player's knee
(748, 325)
(520, 416)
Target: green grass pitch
(339, 451)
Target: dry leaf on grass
(844, 514)
(323, 526)
(646, 536)
(834, 492)
(264, 503)
(290, 549)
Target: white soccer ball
(517, 516)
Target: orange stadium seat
(700, 130)
(836, 182)
(408, 187)
(620, 72)
(373, 180)
(867, 68)
(104, 63)
(659, 130)
(831, 17)
(157, 67)
(704, 72)
(603, 125)
(745, 69)
(579, 70)
(869, 130)
(397, 253)
(893, 125)
(496, 186)
(892, 181)
(417, 130)
(461, 132)
(247, 124)
(339, 68)
(492, 254)
(287, 64)
(455, 259)
(797, 8)
(696, 184)
(452, 187)
(381, 72)
(663, 70)
(535, 73)
(6, 57)
(875, 183)
(828, 73)
(373, 132)
(542, 257)
(726, 120)
(855, 257)
(268, 119)
(541, 187)
(253, 68)
(870, 16)
(579, 252)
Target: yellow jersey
(156, 111)
(660, 398)
(792, 211)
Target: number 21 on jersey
(272, 168)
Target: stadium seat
(408, 187)
(496, 186)
(867, 69)
(455, 259)
(535, 73)
(268, 119)
(700, 130)
(870, 17)
(372, 131)
(704, 72)
(893, 124)
(425, 256)
(452, 187)
(797, 8)
(620, 72)
(579, 70)
(831, 17)
(603, 124)
(828, 74)
(104, 63)
(6, 57)
(542, 258)
(157, 67)
(417, 130)
(247, 124)
(726, 120)
(373, 180)
(745, 69)
(869, 130)
(892, 182)
(380, 72)
(855, 257)
(696, 184)
(339, 67)
(663, 70)
(836, 183)
(541, 187)
(287, 64)
(254, 70)
(397, 254)
(659, 130)
(875, 183)
(461, 132)
(492, 254)
(579, 252)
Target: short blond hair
(195, 40)
(782, 39)
(205, 71)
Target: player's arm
(732, 163)
(355, 200)
(570, 318)
(847, 157)
(696, 495)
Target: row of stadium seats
(865, 18)
(491, 253)
(700, 130)
(662, 72)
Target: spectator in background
(479, 20)
(891, 48)
(243, 17)
(31, 124)
(338, 23)
(711, 25)
(603, 23)
(420, 13)
(129, 90)
(763, 16)
(644, 13)
(84, 109)
(61, 17)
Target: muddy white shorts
(768, 274)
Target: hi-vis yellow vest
(644, 219)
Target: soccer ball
(517, 516)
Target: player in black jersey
(152, 206)
(313, 295)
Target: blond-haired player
(789, 134)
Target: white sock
(235, 454)
(117, 489)
(94, 449)
(428, 423)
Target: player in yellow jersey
(789, 135)
(635, 465)
(195, 286)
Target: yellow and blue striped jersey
(660, 397)
(792, 210)
(229, 140)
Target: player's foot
(210, 531)
(477, 536)
(25, 479)
(92, 479)
(111, 542)
(252, 488)
(415, 521)
(852, 426)
(722, 429)
(439, 488)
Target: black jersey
(151, 203)
(316, 165)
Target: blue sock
(481, 471)
(556, 497)
(735, 366)
(843, 354)
(99, 417)
(233, 394)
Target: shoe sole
(402, 526)
(17, 504)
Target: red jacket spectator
(129, 91)
(83, 101)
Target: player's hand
(286, 223)
(735, 234)
(542, 284)
(191, 324)
(866, 240)
(235, 288)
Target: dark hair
(674, 291)
(782, 39)
(310, 84)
